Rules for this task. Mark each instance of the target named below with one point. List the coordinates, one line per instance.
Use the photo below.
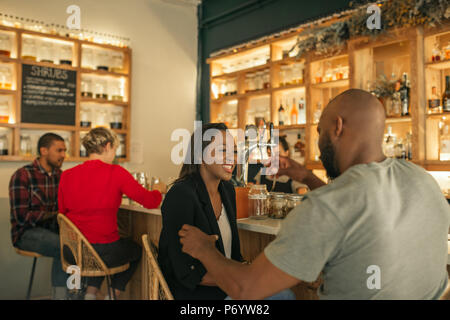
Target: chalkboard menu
(48, 95)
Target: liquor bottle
(404, 94)
(318, 112)
(294, 113)
(409, 146)
(287, 118)
(434, 103)
(301, 111)
(444, 150)
(281, 115)
(389, 143)
(446, 95)
(299, 147)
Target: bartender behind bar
(378, 231)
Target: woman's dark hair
(282, 140)
(191, 166)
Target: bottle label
(446, 104)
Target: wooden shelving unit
(17, 127)
(401, 50)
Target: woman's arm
(130, 187)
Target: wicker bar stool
(34, 255)
(154, 286)
(86, 258)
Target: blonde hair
(96, 140)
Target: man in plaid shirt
(33, 195)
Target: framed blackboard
(48, 95)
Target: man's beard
(54, 164)
(327, 156)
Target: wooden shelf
(44, 126)
(436, 165)
(398, 119)
(243, 71)
(7, 125)
(438, 115)
(440, 65)
(103, 73)
(48, 64)
(331, 84)
(289, 87)
(5, 92)
(5, 59)
(104, 101)
(226, 98)
(291, 127)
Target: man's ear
(339, 126)
(43, 151)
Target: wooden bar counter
(134, 221)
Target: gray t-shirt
(384, 221)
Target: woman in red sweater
(90, 195)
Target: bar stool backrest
(86, 258)
(154, 285)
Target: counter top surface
(268, 226)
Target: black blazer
(187, 202)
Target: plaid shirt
(32, 193)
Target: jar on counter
(29, 49)
(277, 205)
(101, 118)
(25, 145)
(5, 45)
(4, 111)
(293, 200)
(65, 55)
(257, 202)
(5, 78)
(4, 145)
(116, 90)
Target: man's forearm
(228, 274)
(313, 182)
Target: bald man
(378, 231)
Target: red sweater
(90, 195)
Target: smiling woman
(203, 197)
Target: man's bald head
(351, 129)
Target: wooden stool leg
(31, 279)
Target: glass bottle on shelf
(4, 111)
(404, 94)
(447, 51)
(318, 76)
(444, 146)
(117, 62)
(5, 45)
(116, 119)
(409, 146)
(87, 58)
(101, 118)
(46, 53)
(436, 53)
(121, 149)
(4, 145)
(5, 78)
(29, 49)
(318, 112)
(396, 105)
(328, 72)
(400, 150)
(389, 143)
(446, 95)
(65, 55)
(434, 103)
(86, 88)
(103, 60)
(85, 117)
(101, 89)
(116, 90)
(301, 111)
(281, 115)
(25, 145)
(294, 113)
